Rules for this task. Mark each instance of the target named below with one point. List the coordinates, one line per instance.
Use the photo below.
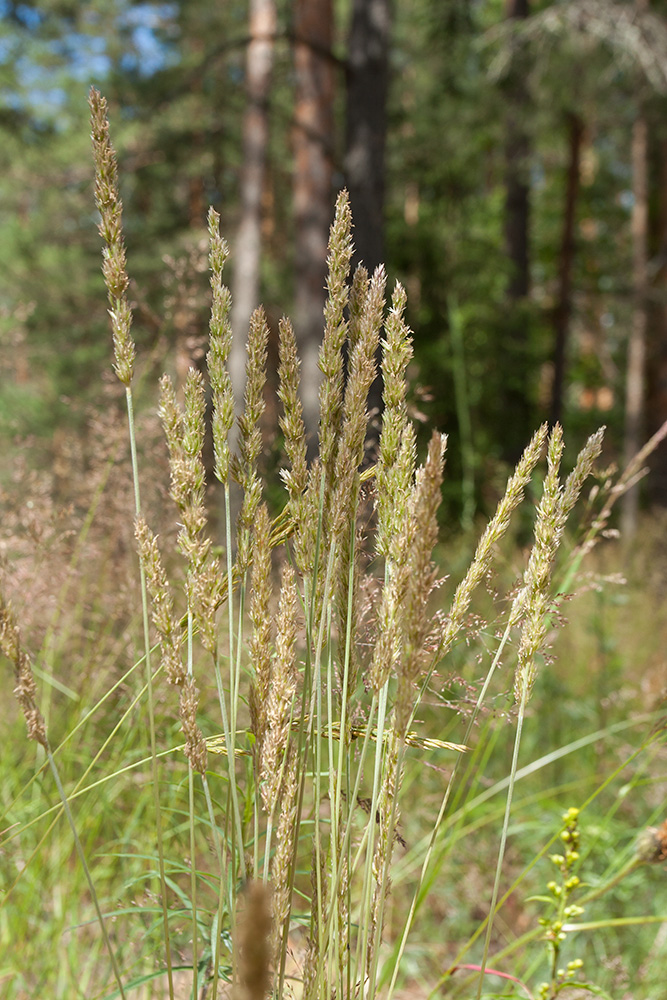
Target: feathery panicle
(362, 369)
(421, 579)
(260, 616)
(110, 208)
(184, 431)
(195, 744)
(220, 343)
(162, 603)
(393, 478)
(253, 942)
(582, 470)
(250, 437)
(25, 689)
(170, 644)
(335, 332)
(281, 693)
(291, 422)
(388, 815)
(351, 445)
(392, 604)
(283, 859)
(306, 524)
(358, 294)
(535, 599)
(493, 532)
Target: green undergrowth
(315, 754)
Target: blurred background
(506, 159)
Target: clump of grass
(319, 636)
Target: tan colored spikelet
(291, 421)
(220, 343)
(260, 641)
(184, 431)
(358, 294)
(250, 435)
(392, 477)
(283, 859)
(392, 603)
(549, 525)
(342, 512)
(253, 942)
(385, 843)
(281, 695)
(582, 470)
(195, 744)
(162, 603)
(25, 688)
(493, 532)
(421, 579)
(110, 208)
(335, 331)
(362, 369)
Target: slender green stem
(86, 870)
(503, 835)
(441, 815)
(151, 703)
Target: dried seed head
(493, 532)
(421, 578)
(195, 744)
(291, 423)
(260, 615)
(282, 691)
(549, 526)
(110, 208)
(335, 332)
(651, 847)
(25, 689)
(250, 435)
(220, 339)
(283, 859)
(162, 603)
(395, 467)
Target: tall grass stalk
(110, 207)
(305, 652)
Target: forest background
(507, 161)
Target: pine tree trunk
(563, 310)
(656, 401)
(313, 169)
(516, 404)
(366, 132)
(247, 250)
(635, 376)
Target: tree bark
(313, 170)
(247, 256)
(516, 404)
(656, 401)
(563, 310)
(635, 376)
(366, 132)
(517, 188)
(366, 125)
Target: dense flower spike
(330, 683)
(111, 230)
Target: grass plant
(352, 740)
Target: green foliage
(324, 724)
